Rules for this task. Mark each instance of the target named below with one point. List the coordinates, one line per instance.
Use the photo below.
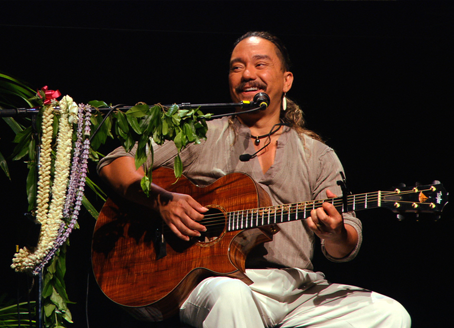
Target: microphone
(245, 157)
(261, 100)
(248, 157)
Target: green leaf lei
(143, 124)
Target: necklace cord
(269, 134)
(247, 157)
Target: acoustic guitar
(141, 265)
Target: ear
(288, 81)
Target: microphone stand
(35, 110)
(109, 110)
(260, 102)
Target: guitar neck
(258, 217)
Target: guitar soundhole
(214, 221)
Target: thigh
(222, 301)
(340, 305)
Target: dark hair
(293, 116)
(281, 50)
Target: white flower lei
(50, 217)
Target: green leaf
(32, 186)
(107, 127)
(138, 110)
(141, 154)
(152, 121)
(52, 268)
(132, 121)
(4, 166)
(49, 309)
(189, 131)
(61, 263)
(176, 119)
(58, 300)
(47, 285)
(16, 127)
(120, 133)
(165, 127)
(23, 135)
(129, 142)
(93, 186)
(23, 140)
(178, 166)
(184, 112)
(157, 134)
(172, 110)
(94, 155)
(98, 104)
(55, 127)
(103, 131)
(145, 184)
(146, 124)
(90, 208)
(179, 140)
(15, 88)
(67, 316)
(122, 122)
(101, 135)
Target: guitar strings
(250, 218)
(273, 210)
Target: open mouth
(248, 90)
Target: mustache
(245, 85)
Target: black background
(375, 79)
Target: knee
(232, 291)
(392, 312)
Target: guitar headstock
(420, 199)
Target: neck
(260, 123)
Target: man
(292, 166)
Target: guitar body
(140, 264)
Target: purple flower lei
(76, 186)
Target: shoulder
(312, 147)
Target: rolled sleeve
(350, 219)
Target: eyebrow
(256, 57)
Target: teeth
(251, 89)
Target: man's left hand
(328, 224)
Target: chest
(267, 156)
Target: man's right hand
(181, 213)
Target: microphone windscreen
(245, 157)
(262, 99)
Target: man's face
(255, 67)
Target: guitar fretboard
(252, 218)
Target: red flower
(48, 95)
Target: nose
(249, 73)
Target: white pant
(288, 298)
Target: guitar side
(128, 260)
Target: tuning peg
(400, 217)
(435, 182)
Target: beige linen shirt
(302, 171)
